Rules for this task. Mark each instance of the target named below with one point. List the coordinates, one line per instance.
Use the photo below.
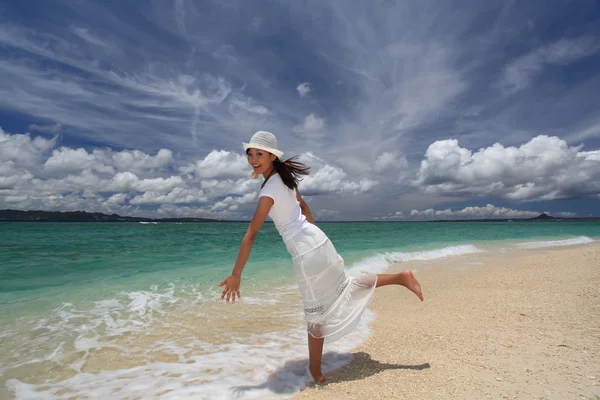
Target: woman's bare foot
(408, 280)
(317, 376)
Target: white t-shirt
(286, 212)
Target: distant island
(543, 217)
(83, 216)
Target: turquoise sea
(131, 310)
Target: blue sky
(404, 110)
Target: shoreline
(521, 325)
(415, 355)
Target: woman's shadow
(294, 375)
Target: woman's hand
(232, 283)
(232, 288)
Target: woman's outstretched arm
(232, 283)
(304, 207)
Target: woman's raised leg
(315, 345)
(404, 278)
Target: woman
(333, 301)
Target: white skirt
(333, 301)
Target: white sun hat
(265, 141)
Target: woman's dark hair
(290, 171)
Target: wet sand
(523, 325)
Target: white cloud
(564, 214)
(385, 161)
(313, 123)
(329, 179)
(422, 93)
(392, 164)
(310, 158)
(488, 212)
(303, 89)
(325, 214)
(247, 105)
(55, 128)
(126, 105)
(11, 181)
(592, 131)
(68, 179)
(404, 84)
(389, 81)
(545, 168)
(178, 195)
(222, 187)
(171, 210)
(86, 35)
(105, 161)
(326, 179)
(232, 203)
(520, 72)
(118, 198)
(589, 155)
(66, 160)
(14, 199)
(398, 215)
(159, 185)
(32, 175)
(312, 126)
(220, 164)
(11, 176)
(122, 181)
(23, 150)
(136, 160)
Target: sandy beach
(524, 325)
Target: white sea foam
(258, 301)
(552, 243)
(130, 312)
(276, 368)
(144, 302)
(380, 262)
(56, 355)
(269, 365)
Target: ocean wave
(127, 312)
(273, 368)
(132, 327)
(552, 243)
(380, 262)
(147, 344)
(258, 301)
(85, 326)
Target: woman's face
(261, 161)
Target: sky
(403, 110)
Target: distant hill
(83, 216)
(542, 216)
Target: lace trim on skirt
(314, 309)
(335, 301)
